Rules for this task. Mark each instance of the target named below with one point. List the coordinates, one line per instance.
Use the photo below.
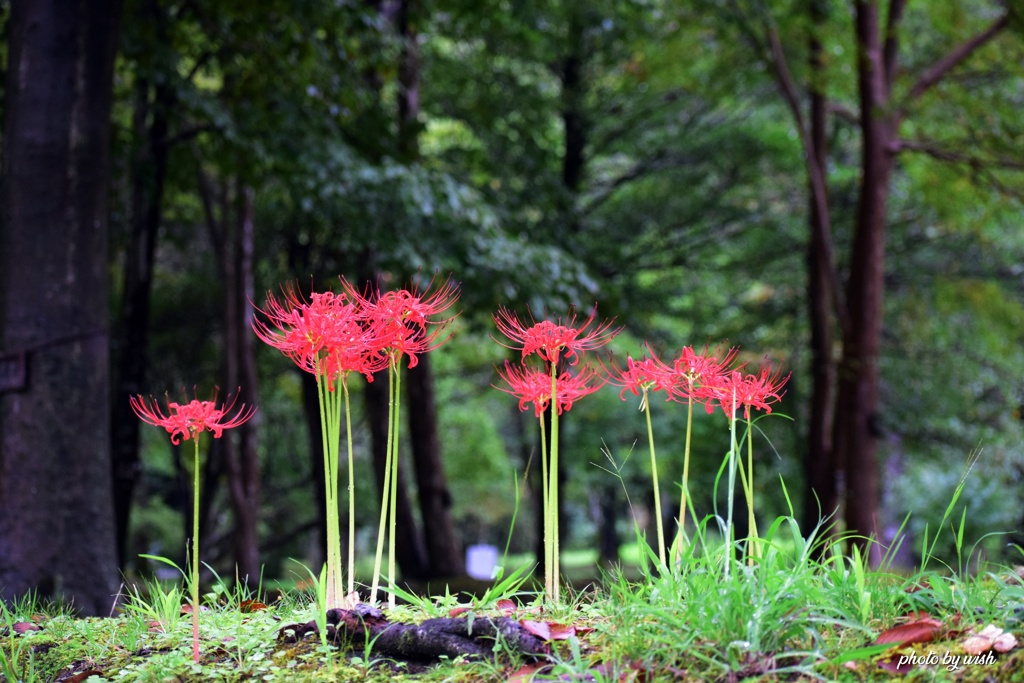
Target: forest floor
(788, 615)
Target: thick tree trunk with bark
(56, 517)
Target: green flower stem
(195, 551)
(552, 509)
(654, 478)
(386, 491)
(351, 492)
(330, 425)
(753, 549)
(732, 486)
(397, 370)
(681, 532)
(545, 497)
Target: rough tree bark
(56, 516)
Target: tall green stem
(732, 486)
(385, 491)
(195, 551)
(330, 424)
(681, 536)
(555, 588)
(351, 493)
(654, 477)
(545, 497)
(397, 370)
(753, 548)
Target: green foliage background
(689, 226)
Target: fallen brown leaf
(920, 628)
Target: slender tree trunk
(435, 498)
(131, 343)
(856, 435)
(820, 498)
(443, 553)
(56, 516)
(228, 206)
(240, 446)
(311, 409)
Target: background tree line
(835, 183)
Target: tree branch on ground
(427, 641)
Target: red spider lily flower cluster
(187, 421)
(643, 375)
(400, 322)
(704, 377)
(533, 386)
(697, 374)
(756, 391)
(334, 334)
(549, 339)
(552, 341)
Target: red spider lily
(697, 375)
(324, 336)
(549, 339)
(751, 391)
(644, 375)
(399, 320)
(189, 420)
(530, 385)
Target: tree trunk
(56, 517)
(820, 498)
(240, 446)
(856, 435)
(311, 409)
(435, 498)
(228, 206)
(443, 553)
(131, 343)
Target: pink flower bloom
(697, 375)
(647, 374)
(751, 391)
(324, 336)
(550, 339)
(189, 420)
(534, 386)
(399, 321)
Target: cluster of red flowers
(334, 334)
(706, 378)
(552, 341)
